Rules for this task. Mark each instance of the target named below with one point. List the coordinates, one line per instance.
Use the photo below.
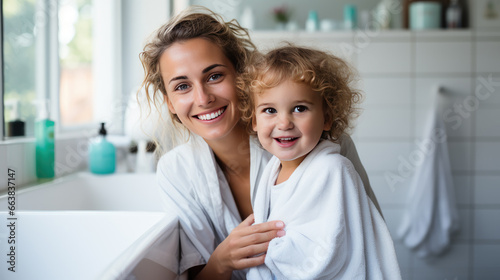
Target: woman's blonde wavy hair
(326, 74)
(194, 22)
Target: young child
(300, 102)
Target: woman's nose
(203, 97)
(285, 122)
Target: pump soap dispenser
(102, 154)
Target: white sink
(86, 226)
(81, 244)
(86, 191)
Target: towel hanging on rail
(431, 215)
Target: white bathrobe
(194, 187)
(333, 230)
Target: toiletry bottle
(312, 22)
(16, 126)
(102, 154)
(454, 15)
(350, 19)
(44, 144)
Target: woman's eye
(299, 109)
(181, 87)
(269, 111)
(214, 77)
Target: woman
(195, 62)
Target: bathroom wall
(399, 72)
(139, 20)
(262, 9)
(19, 156)
(399, 82)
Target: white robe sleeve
(178, 193)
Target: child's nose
(285, 122)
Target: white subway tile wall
(487, 190)
(487, 58)
(381, 121)
(387, 195)
(463, 189)
(385, 58)
(485, 260)
(399, 76)
(486, 224)
(457, 88)
(484, 126)
(443, 57)
(377, 93)
(465, 232)
(486, 89)
(487, 156)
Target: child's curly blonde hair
(326, 74)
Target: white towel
(333, 229)
(431, 215)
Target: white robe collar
(217, 197)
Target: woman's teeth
(211, 116)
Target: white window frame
(47, 58)
(109, 105)
(2, 117)
(107, 70)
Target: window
(19, 50)
(50, 62)
(75, 53)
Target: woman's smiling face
(200, 82)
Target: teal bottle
(102, 154)
(44, 146)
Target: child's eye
(299, 109)
(214, 77)
(269, 111)
(181, 87)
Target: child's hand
(246, 245)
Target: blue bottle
(102, 153)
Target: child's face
(289, 120)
